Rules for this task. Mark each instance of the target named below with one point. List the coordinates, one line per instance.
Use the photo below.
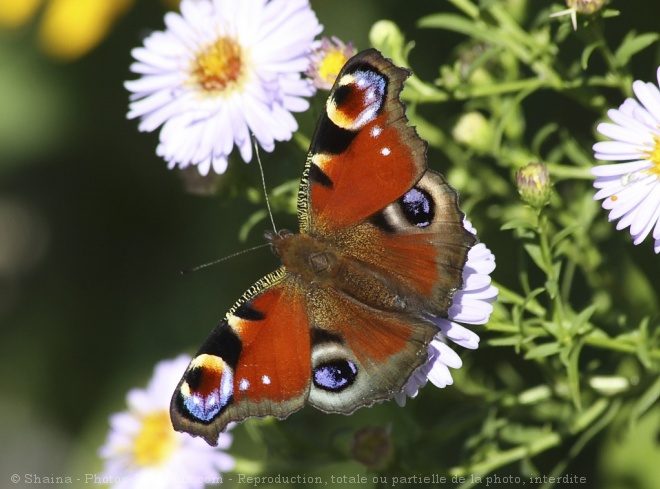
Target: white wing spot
(375, 131)
(385, 151)
(265, 379)
(243, 384)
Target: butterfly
(347, 318)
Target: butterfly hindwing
(399, 267)
(361, 354)
(423, 243)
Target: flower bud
(534, 184)
(586, 6)
(372, 447)
(474, 131)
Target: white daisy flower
(630, 188)
(143, 450)
(221, 70)
(471, 305)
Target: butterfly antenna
(215, 262)
(263, 182)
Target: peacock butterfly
(347, 318)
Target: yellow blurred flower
(15, 13)
(68, 28)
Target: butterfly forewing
(363, 154)
(256, 362)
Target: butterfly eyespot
(417, 206)
(357, 99)
(335, 375)
(207, 387)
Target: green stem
(501, 459)
(506, 295)
(602, 342)
(562, 172)
(467, 7)
(551, 271)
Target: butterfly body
(321, 264)
(347, 318)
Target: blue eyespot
(417, 206)
(335, 376)
(204, 408)
(372, 85)
(206, 392)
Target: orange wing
(363, 154)
(256, 362)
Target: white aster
(143, 450)
(630, 187)
(471, 305)
(223, 69)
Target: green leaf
(518, 434)
(592, 415)
(586, 54)
(460, 24)
(577, 154)
(517, 224)
(509, 341)
(551, 328)
(573, 371)
(610, 13)
(544, 350)
(577, 326)
(561, 235)
(535, 252)
(542, 134)
(646, 400)
(535, 394)
(251, 221)
(632, 44)
(643, 344)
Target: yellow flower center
(156, 440)
(220, 66)
(654, 157)
(331, 65)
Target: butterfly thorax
(321, 263)
(305, 255)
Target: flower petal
(210, 117)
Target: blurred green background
(94, 230)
